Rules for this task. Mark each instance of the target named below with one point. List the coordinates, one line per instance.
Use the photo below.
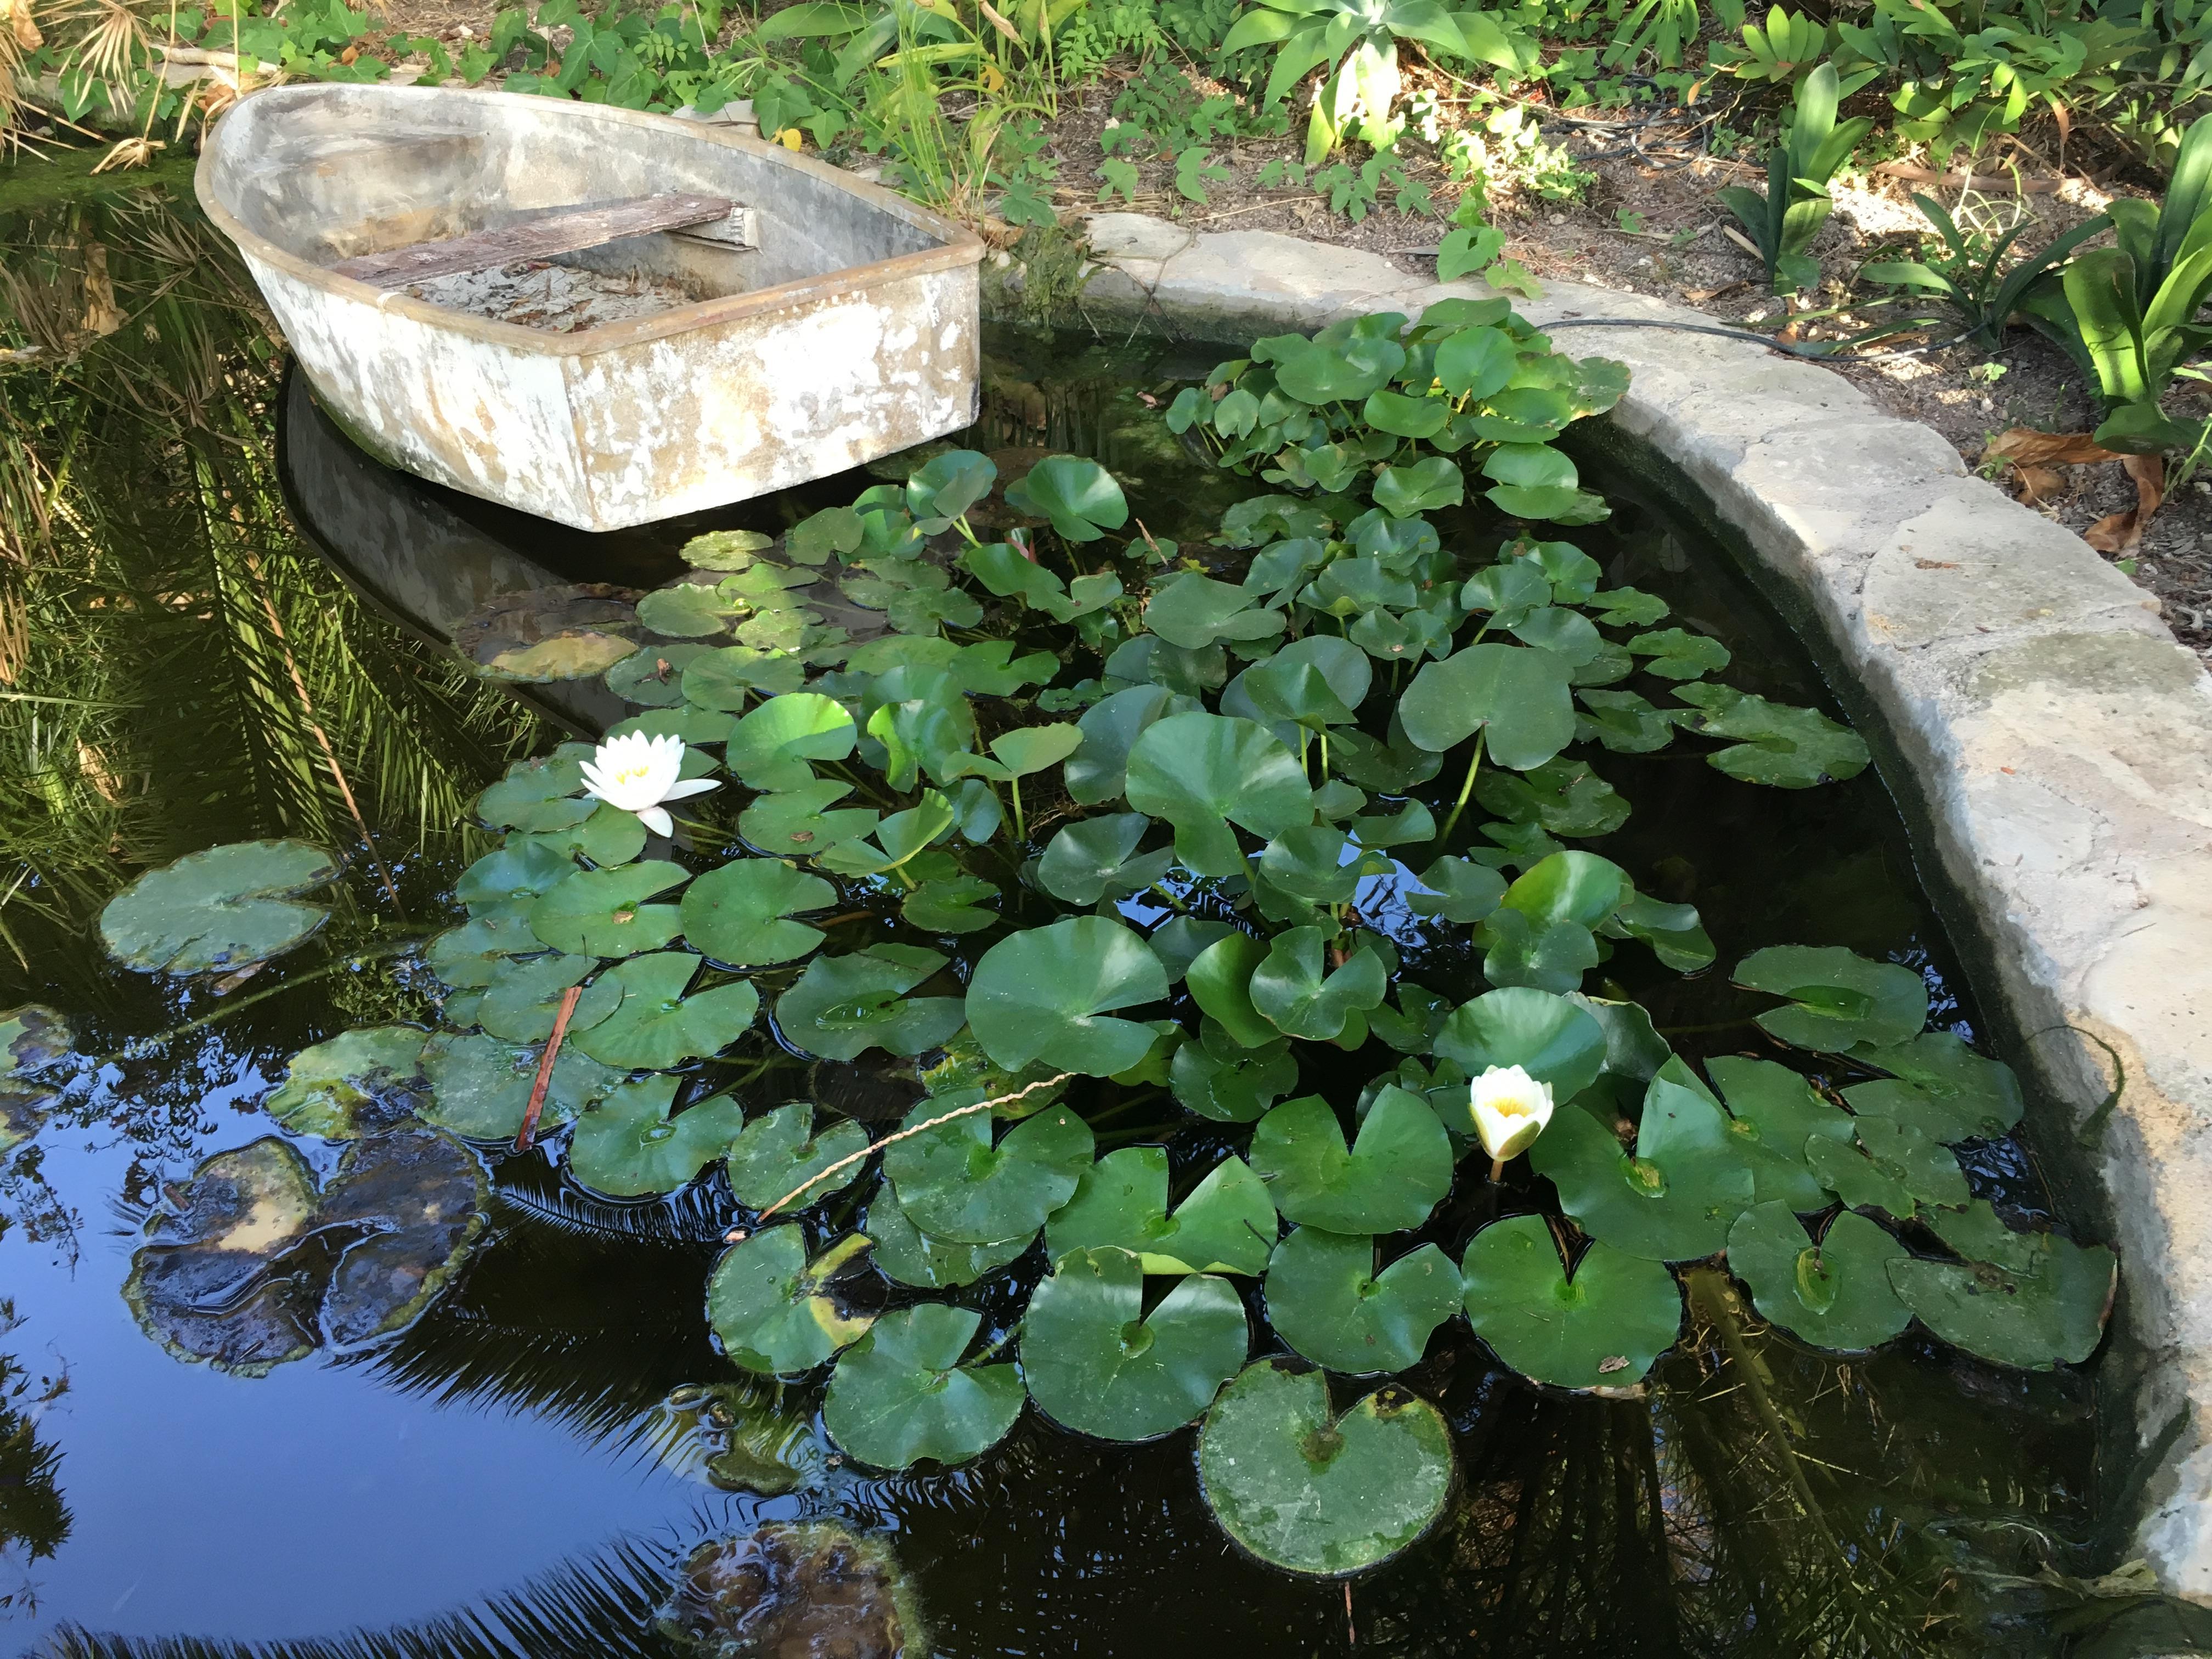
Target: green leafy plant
(1784, 221)
(1972, 275)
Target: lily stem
(1466, 787)
(1021, 829)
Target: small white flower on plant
(637, 773)
(1510, 1109)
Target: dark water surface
(504, 1477)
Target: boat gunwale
(960, 245)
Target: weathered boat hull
(849, 332)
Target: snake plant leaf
(1220, 981)
(1093, 859)
(1602, 1327)
(953, 905)
(1774, 1112)
(1427, 486)
(1178, 941)
(728, 679)
(361, 1082)
(953, 1184)
(1894, 1167)
(1782, 747)
(780, 1149)
(656, 1025)
(1837, 999)
(480, 1087)
(604, 913)
(771, 1308)
(1319, 1494)
(1080, 496)
(1227, 1225)
(1046, 993)
(1325, 1299)
(1098, 770)
(843, 1005)
(629, 1145)
(1295, 990)
(1392, 1175)
(739, 915)
(220, 909)
(1517, 696)
(509, 881)
(1194, 610)
(1835, 1294)
(1456, 889)
(1095, 1364)
(800, 821)
(540, 795)
(1676, 654)
(1552, 1038)
(909, 1256)
(1218, 1077)
(901, 1394)
(2029, 1300)
(1205, 772)
(523, 1001)
(1563, 795)
(1940, 1086)
(770, 746)
(1675, 1198)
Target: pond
(221, 623)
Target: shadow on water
(517, 1472)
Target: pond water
(213, 601)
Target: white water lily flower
(1510, 1109)
(637, 773)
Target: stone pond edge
(2048, 742)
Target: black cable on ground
(1829, 352)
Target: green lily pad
(1624, 721)
(1295, 990)
(909, 1256)
(1835, 1294)
(653, 678)
(1227, 1225)
(1516, 696)
(220, 909)
(901, 1394)
(1941, 1087)
(953, 905)
(1218, 1077)
(769, 1305)
(1220, 981)
(741, 914)
(1080, 496)
(778, 1149)
(953, 1184)
(1673, 1199)
(540, 795)
(1555, 1040)
(799, 821)
(656, 1025)
(627, 1144)
(1427, 486)
(687, 610)
(509, 881)
(480, 1087)
(1317, 680)
(1194, 610)
(843, 1005)
(1098, 771)
(2029, 1300)
(361, 1082)
(1676, 654)
(1178, 941)
(604, 913)
(1394, 1174)
(1837, 999)
(1564, 796)
(523, 1001)
(770, 747)
(1775, 1112)
(1327, 1301)
(1205, 772)
(1045, 993)
(1094, 859)
(1456, 889)
(1783, 748)
(1602, 1327)
(728, 679)
(1900, 1168)
(1320, 1494)
(1094, 1364)
(607, 836)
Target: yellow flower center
(630, 775)
(1512, 1106)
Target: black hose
(1814, 353)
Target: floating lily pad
(1836, 1294)
(653, 678)
(1220, 981)
(1218, 1077)
(1602, 1327)
(1394, 1174)
(1837, 999)
(1554, 1040)
(954, 1183)
(542, 635)
(361, 1082)
(655, 1024)
(1457, 890)
(413, 1201)
(741, 914)
(1900, 1168)
(1516, 696)
(1227, 1225)
(604, 913)
(771, 746)
(1080, 496)
(1775, 1113)
(1325, 1299)
(770, 1306)
(843, 1005)
(1296, 991)
(1782, 747)
(523, 1002)
(800, 821)
(789, 1591)
(901, 1394)
(1046, 993)
(540, 795)
(1094, 1364)
(1941, 1087)
(780, 1149)
(1675, 1198)
(909, 1256)
(1203, 773)
(1320, 1494)
(2044, 1302)
(1098, 770)
(606, 836)
(475, 954)
(1096, 860)
(629, 1145)
(223, 909)
(480, 1087)
(508, 882)
(951, 905)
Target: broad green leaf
(909, 1256)
(770, 747)
(1078, 496)
(770, 1307)
(1317, 680)
(1098, 770)
(1563, 795)
(1894, 1167)
(524, 999)
(1601, 1328)
(1550, 1038)
(1220, 981)
(1476, 362)
(1427, 486)
(361, 1082)
(604, 913)
(1227, 1225)
(1205, 772)
(627, 1144)
(1218, 1077)
(1941, 1087)
(1675, 653)
(1094, 1364)
(724, 549)
(1786, 748)
(1774, 1113)
(953, 1184)
(1456, 889)
(1193, 611)
(1394, 1174)
(687, 610)
(1045, 993)
(1325, 1299)
(2024, 1300)
(480, 1087)
(1406, 417)
(780, 1149)
(540, 795)
(223, 909)
(1624, 721)
(801, 822)
(1516, 696)
(1296, 990)
(1095, 859)
(1835, 1294)
(657, 1025)
(1675, 1198)
(1178, 941)
(841, 1006)
(508, 882)
(1032, 748)
(901, 1394)
(739, 914)
(731, 679)
(1837, 999)
(945, 486)
(953, 905)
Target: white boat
(719, 317)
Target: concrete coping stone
(2048, 740)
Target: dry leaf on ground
(2120, 532)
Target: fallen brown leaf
(1697, 296)
(2122, 533)
(2038, 484)
(2023, 446)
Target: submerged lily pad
(909, 1256)
(1941, 1087)
(1835, 1294)
(542, 635)
(843, 1005)
(769, 1305)
(901, 1394)
(789, 1592)
(2030, 1300)
(627, 1144)
(953, 1184)
(223, 909)
(361, 1082)
(741, 914)
(32, 1038)
(656, 1024)
(780, 1149)
(480, 1087)
(1095, 1364)
(1045, 993)
(1837, 999)
(1325, 1299)
(1602, 1327)
(1392, 1175)
(1315, 1493)
(1227, 1225)
(1675, 1198)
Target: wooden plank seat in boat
(543, 236)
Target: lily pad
(843, 1005)
(604, 913)
(909, 1256)
(1315, 1493)
(1325, 1299)
(523, 1002)
(954, 1183)
(1675, 1198)
(1098, 770)
(1602, 1327)
(655, 1024)
(901, 1394)
(509, 881)
(413, 1202)
(800, 821)
(543, 635)
(1218, 1077)
(1554, 1040)
(33, 1037)
(741, 914)
(1295, 990)
(1783, 748)
(1220, 981)
(1775, 1113)
(223, 909)
(1901, 1168)
(1080, 496)
(770, 747)
(951, 905)
(480, 1087)
(2045, 1302)
(1837, 999)
(361, 1082)
(778, 1149)
(771, 1308)
(1456, 889)
(1045, 993)
(629, 1145)
(1227, 1225)
(1095, 1364)
(1516, 696)
(1394, 1174)
(1204, 772)
(1941, 1087)
(1835, 1294)
(475, 954)
(1094, 859)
